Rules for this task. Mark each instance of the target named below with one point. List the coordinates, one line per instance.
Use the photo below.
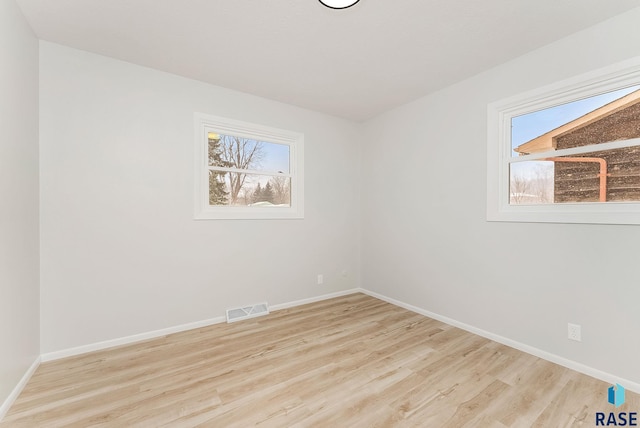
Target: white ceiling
(354, 63)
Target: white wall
(121, 253)
(425, 238)
(19, 306)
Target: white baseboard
(51, 356)
(4, 408)
(573, 365)
(314, 299)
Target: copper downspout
(603, 171)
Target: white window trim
(204, 124)
(499, 153)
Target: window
(247, 171)
(568, 153)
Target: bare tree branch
(241, 153)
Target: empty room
(319, 213)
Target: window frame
(499, 150)
(205, 123)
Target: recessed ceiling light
(339, 4)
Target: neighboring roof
(547, 142)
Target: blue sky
(276, 157)
(532, 125)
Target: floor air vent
(238, 314)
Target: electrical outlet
(320, 279)
(574, 332)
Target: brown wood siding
(579, 182)
(621, 125)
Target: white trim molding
(52, 356)
(4, 408)
(548, 356)
(71, 352)
(206, 124)
(573, 365)
(315, 299)
(500, 154)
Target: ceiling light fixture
(338, 4)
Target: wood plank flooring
(353, 361)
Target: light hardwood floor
(353, 361)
